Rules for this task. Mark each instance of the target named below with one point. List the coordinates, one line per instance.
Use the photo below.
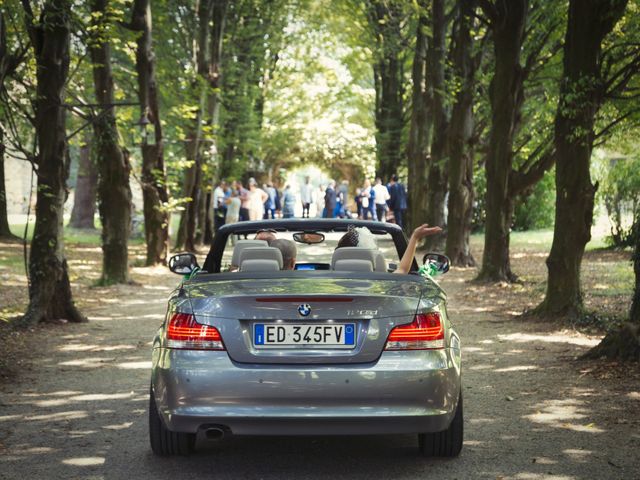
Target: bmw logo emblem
(304, 309)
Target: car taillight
(184, 332)
(426, 332)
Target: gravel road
(531, 410)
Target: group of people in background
(232, 202)
(378, 202)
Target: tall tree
(385, 19)
(192, 180)
(437, 161)
(114, 192)
(460, 132)
(49, 289)
(9, 61)
(510, 24)
(153, 179)
(84, 200)
(421, 123)
(507, 23)
(582, 92)
(214, 80)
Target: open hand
(425, 230)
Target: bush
(620, 193)
(531, 212)
(536, 210)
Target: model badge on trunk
(304, 309)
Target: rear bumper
(403, 392)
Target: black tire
(164, 442)
(447, 443)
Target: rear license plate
(321, 335)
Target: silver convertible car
(333, 341)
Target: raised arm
(418, 234)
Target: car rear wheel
(447, 443)
(164, 442)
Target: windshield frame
(213, 261)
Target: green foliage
(620, 193)
(536, 211)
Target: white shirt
(233, 210)
(218, 197)
(382, 194)
(305, 193)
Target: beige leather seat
(260, 259)
(348, 265)
(358, 253)
(241, 245)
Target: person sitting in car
(288, 250)
(362, 237)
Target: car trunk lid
(243, 308)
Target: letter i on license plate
(332, 335)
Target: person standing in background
(233, 210)
(243, 195)
(257, 197)
(306, 191)
(368, 201)
(288, 202)
(330, 200)
(343, 198)
(397, 200)
(358, 199)
(320, 201)
(381, 197)
(219, 206)
(270, 203)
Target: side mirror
(183, 263)
(438, 261)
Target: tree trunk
(384, 20)
(5, 231)
(49, 289)
(624, 343)
(8, 64)
(634, 313)
(460, 149)
(201, 216)
(114, 192)
(437, 176)
(581, 95)
(419, 128)
(506, 95)
(192, 180)
(153, 178)
(190, 189)
(84, 199)
(218, 17)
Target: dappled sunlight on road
(565, 413)
(530, 411)
(555, 337)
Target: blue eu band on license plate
(333, 335)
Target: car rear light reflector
(185, 333)
(426, 332)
